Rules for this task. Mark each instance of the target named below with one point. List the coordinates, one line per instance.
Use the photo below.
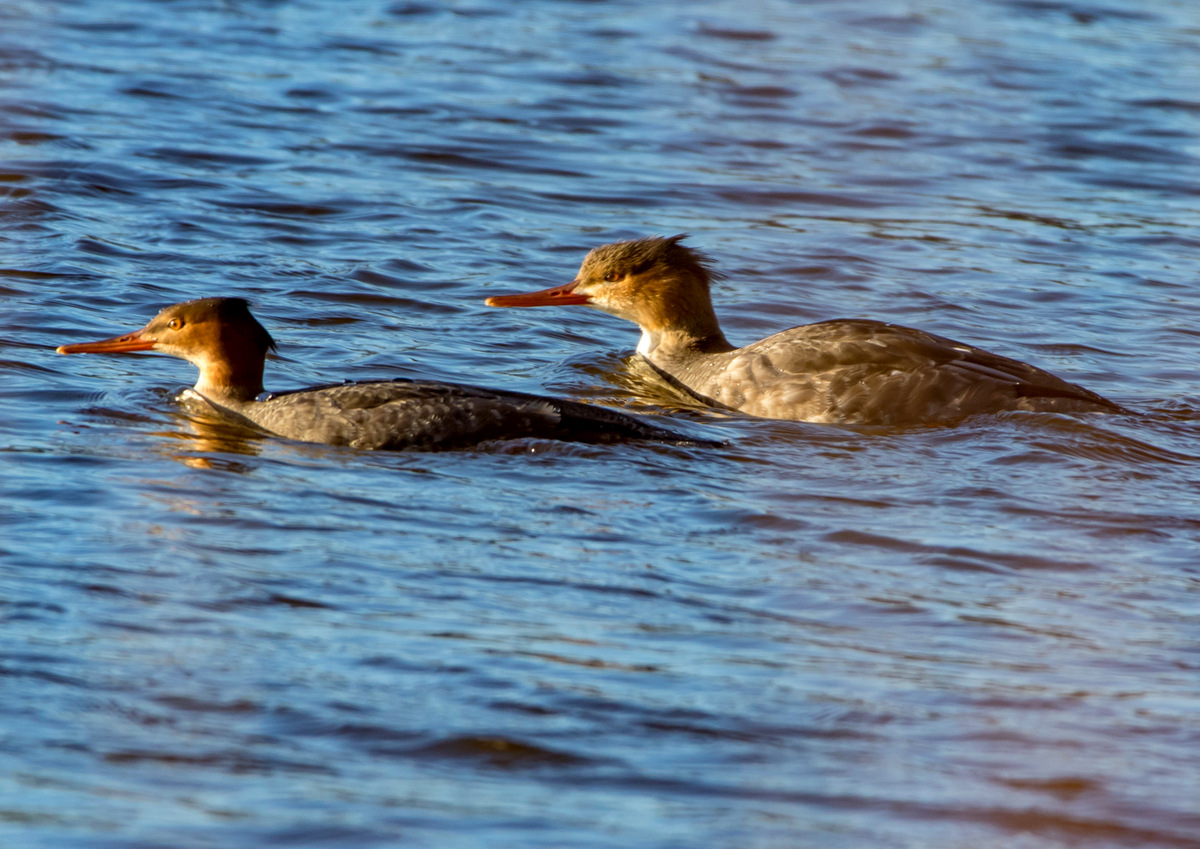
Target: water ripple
(811, 635)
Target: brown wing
(399, 414)
(870, 372)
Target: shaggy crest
(640, 255)
(232, 311)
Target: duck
(851, 371)
(229, 346)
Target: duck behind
(227, 344)
(848, 371)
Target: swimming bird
(229, 347)
(845, 371)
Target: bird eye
(612, 276)
(175, 324)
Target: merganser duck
(221, 338)
(847, 371)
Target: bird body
(844, 371)
(229, 346)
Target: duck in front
(846, 371)
(229, 347)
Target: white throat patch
(647, 343)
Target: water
(979, 636)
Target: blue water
(981, 636)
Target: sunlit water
(983, 636)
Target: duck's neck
(681, 330)
(672, 342)
(230, 383)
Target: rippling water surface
(981, 636)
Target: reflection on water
(812, 636)
(204, 437)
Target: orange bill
(117, 345)
(555, 296)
